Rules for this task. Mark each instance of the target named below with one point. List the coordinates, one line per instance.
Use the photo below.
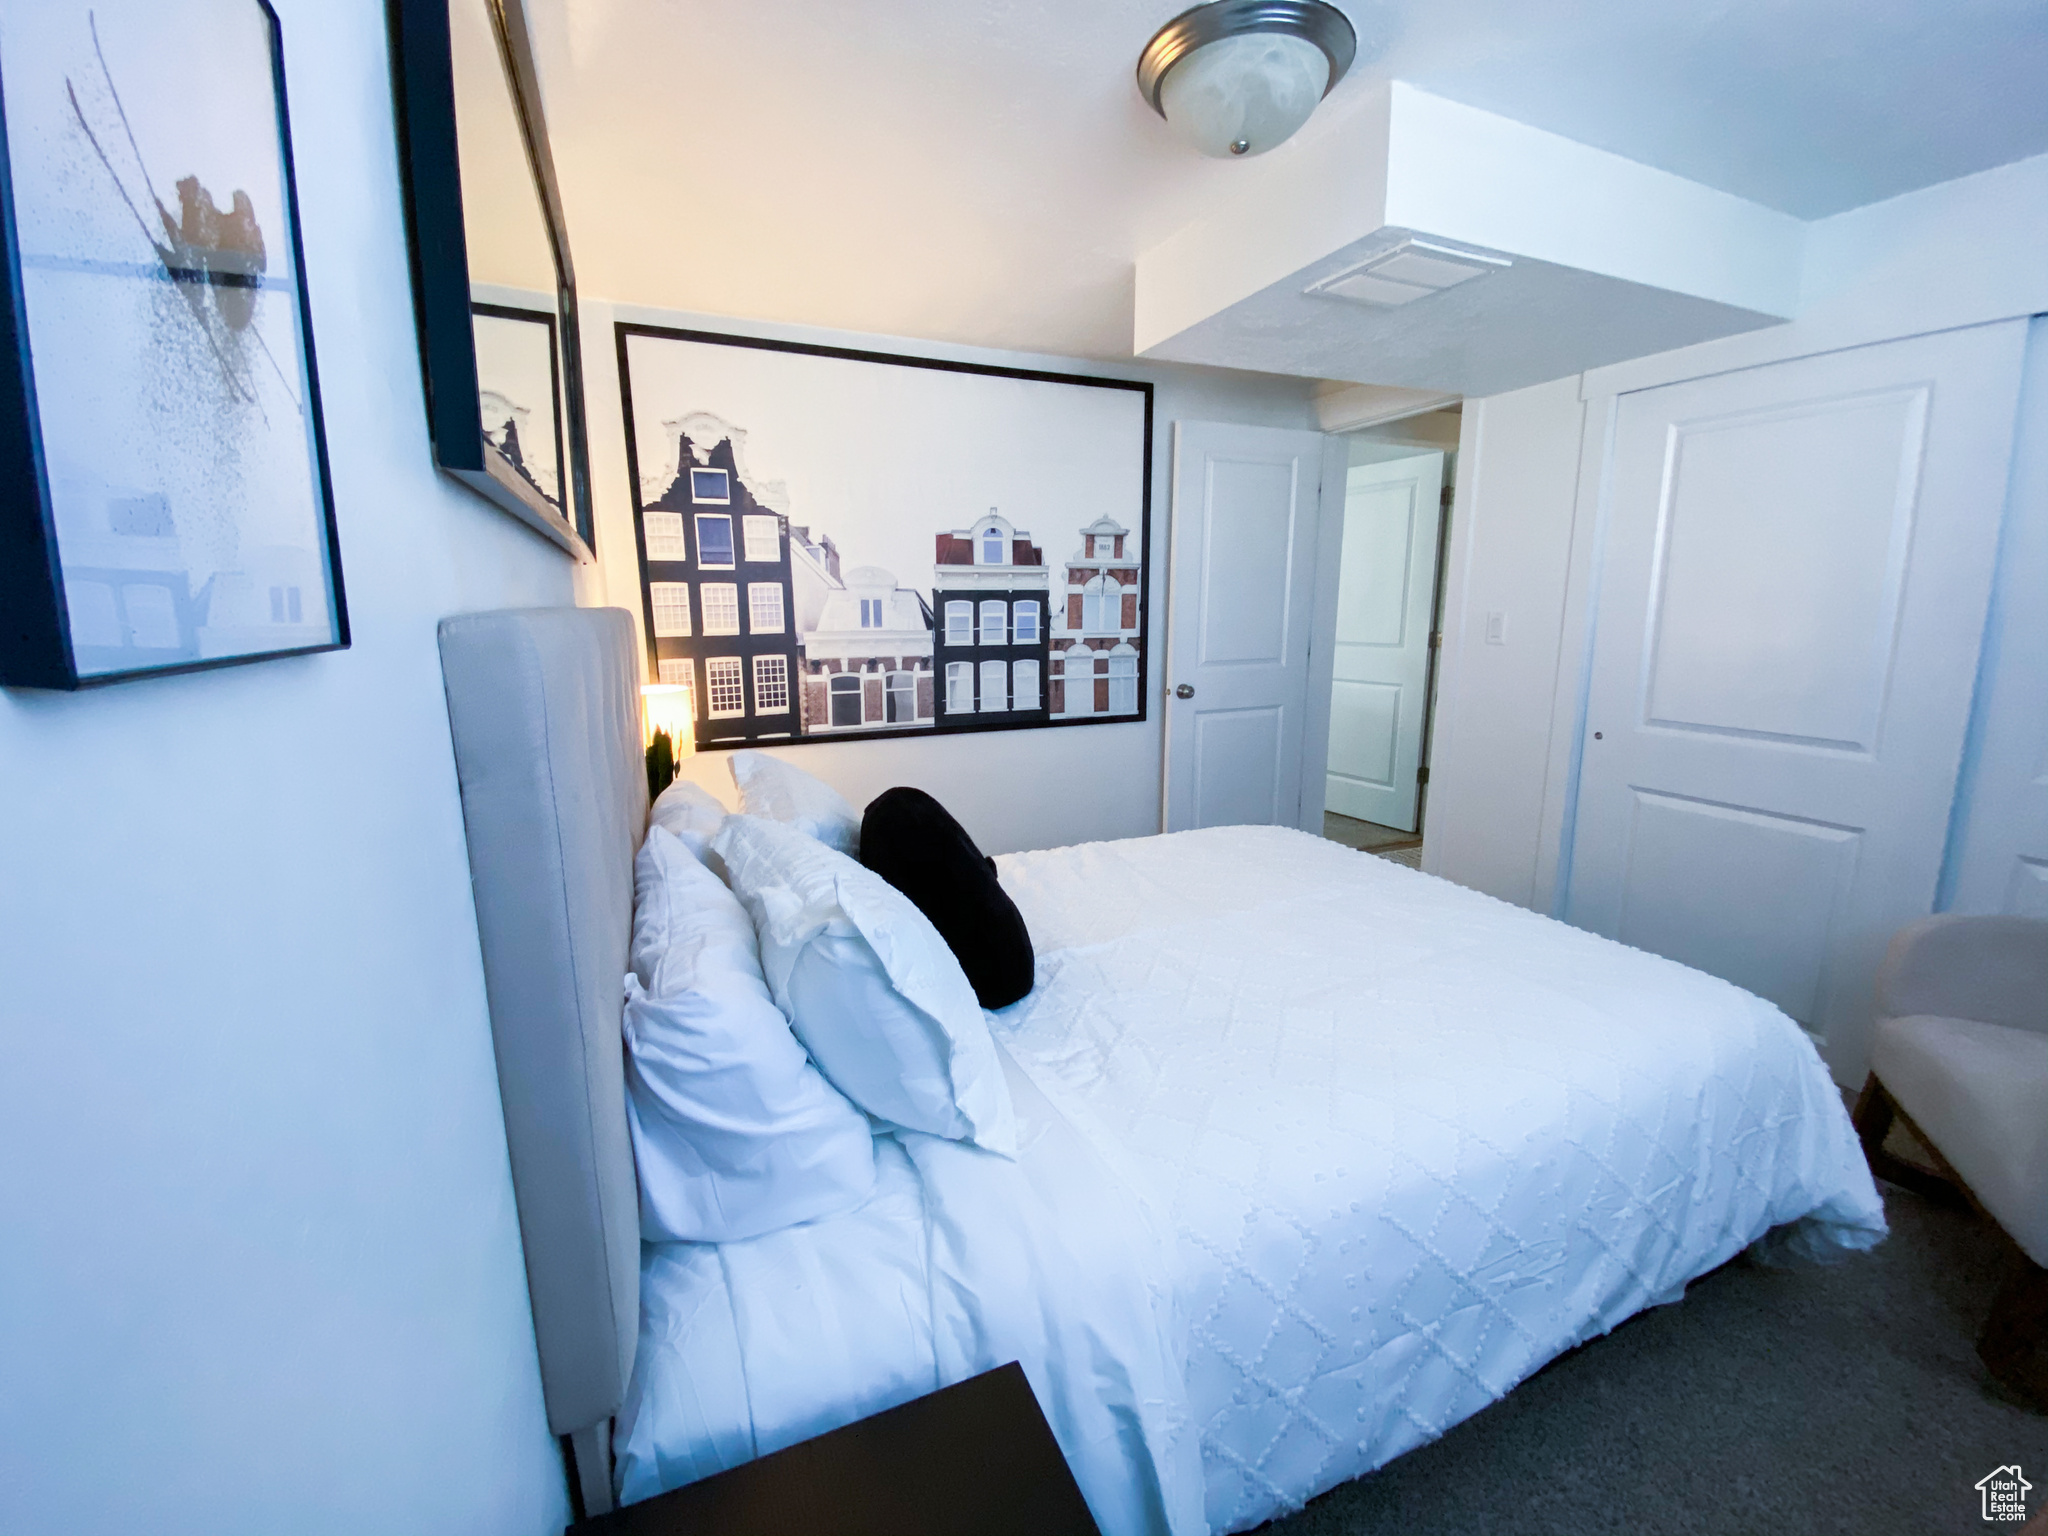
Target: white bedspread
(962, 1261)
(1330, 1155)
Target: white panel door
(1385, 591)
(1791, 596)
(2002, 839)
(1240, 598)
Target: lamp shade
(1243, 95)
(669, 707)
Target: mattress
(1323, 1156)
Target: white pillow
(688, 810)
(735, 1132)
(772, 788)
(869, 986)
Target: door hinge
(1422, 774)
(1444, 496)
(1436, 639)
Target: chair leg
(1874, 1116)
(2015, 1331)
(1873, 1119)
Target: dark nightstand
(973, 1459)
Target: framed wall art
(164, 497)
(519, 393)
(836, 542)
(493, 282)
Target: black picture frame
(424, 92)
(625, 331)
(38, 645)
(547, 323)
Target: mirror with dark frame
(493, 283)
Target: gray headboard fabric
(543, 705)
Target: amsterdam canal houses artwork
(841, 544)
(719, 567)
(867, 657)
(1098, 634)
(990, 593)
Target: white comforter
(1323, 1156)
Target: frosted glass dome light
(1237, 77)
(1245, 94)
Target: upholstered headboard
(543, 704)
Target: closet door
(1792, 591)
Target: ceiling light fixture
(1412, 270)
(1237, 77)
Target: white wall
(260, 1270)
(1961, 253)
(1511, 533)
(1429, 429)
(1010, 789)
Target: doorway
(1396, 514)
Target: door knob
(1184, 691)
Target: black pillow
(908, 839)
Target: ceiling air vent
(1412, 270)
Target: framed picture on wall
(491, 263)
(841, 543)
(519, 392)
(164, 498)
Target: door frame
(1571, 693)
(1439, 601)
(1322, 638)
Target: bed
(1318, 1155)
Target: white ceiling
(983, 171)
(1806, 106)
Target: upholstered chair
(1961, 1056)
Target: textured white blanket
(1414, 1142)
(1329, 1156)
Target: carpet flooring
(1845, 1398)
(1370, 837)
